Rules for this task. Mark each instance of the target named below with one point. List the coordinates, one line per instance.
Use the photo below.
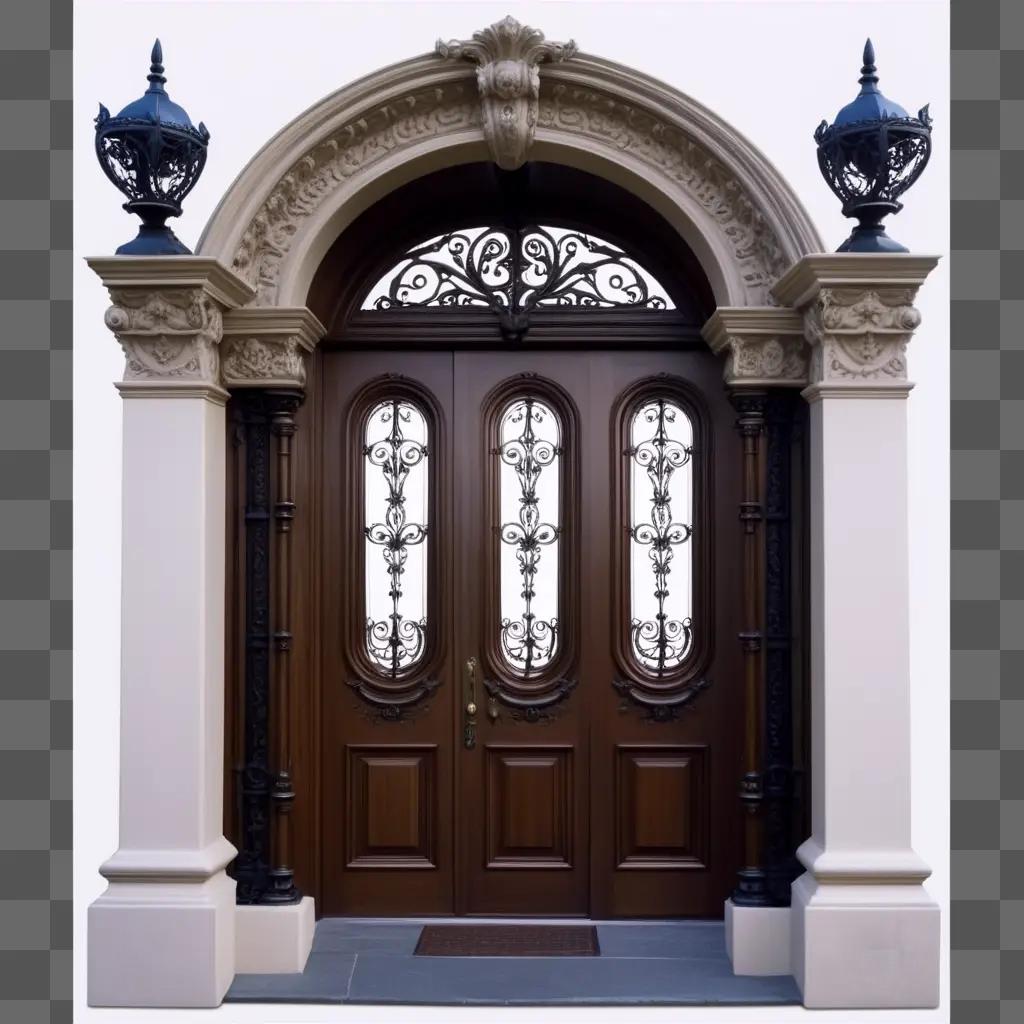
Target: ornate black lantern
(870, 155)
(154, 154)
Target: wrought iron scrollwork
(513, 272)
(528, 642)
(660, 643)
(395, 643)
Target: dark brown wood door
(571, 500)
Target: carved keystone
(763, 346)
(508, 55)
(858, 316)
(167, 315)
(267, 347)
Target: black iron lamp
(154, 154)
(869, 156)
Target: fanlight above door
(512, 272)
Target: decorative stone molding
(266, 347)
(754, 225)
(166, 335)
(764, 347)
(648, 136)
(858, 316)
(167, 315)
(351, 150)
(507, 55)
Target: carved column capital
(858, 316)
(507, 55)
(167, 315)
(763, 346)
(267, 347)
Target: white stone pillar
(163, 932)
(864, 931)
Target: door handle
(469, 723)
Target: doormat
(507, 940)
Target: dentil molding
(507, 55)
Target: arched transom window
(513, 272)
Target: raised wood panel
(529, 806)
(662, 806)
(392, 806)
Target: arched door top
(281, 215)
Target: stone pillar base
(162, 943)
(757, 939)
(863, 946)
(274, 940)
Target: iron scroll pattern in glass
(528, 643)
(394, 644)
(513, 272)
(660, 644)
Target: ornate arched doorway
(262, 317)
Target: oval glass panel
(661, 524)
(529, 506)
(395, 493)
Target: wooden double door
(532, 699)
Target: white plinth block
(162, 944)
(865, 946)
(757, 939)
(274, 940)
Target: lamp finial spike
(868, 76)
(156, 69)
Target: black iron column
(282, 795)
(780, 863)
(751, 888)
(263, 867)
(252, 866)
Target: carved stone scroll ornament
(507, 55)
(168, 334)
(861, 334)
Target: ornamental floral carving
(262, 360)
(861, 334)
(450, 108)
(771, 359)
(362, 142)
(507, 55)
(170, 334)
(672, 152)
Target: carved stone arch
(282, 213)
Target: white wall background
(772, 69)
